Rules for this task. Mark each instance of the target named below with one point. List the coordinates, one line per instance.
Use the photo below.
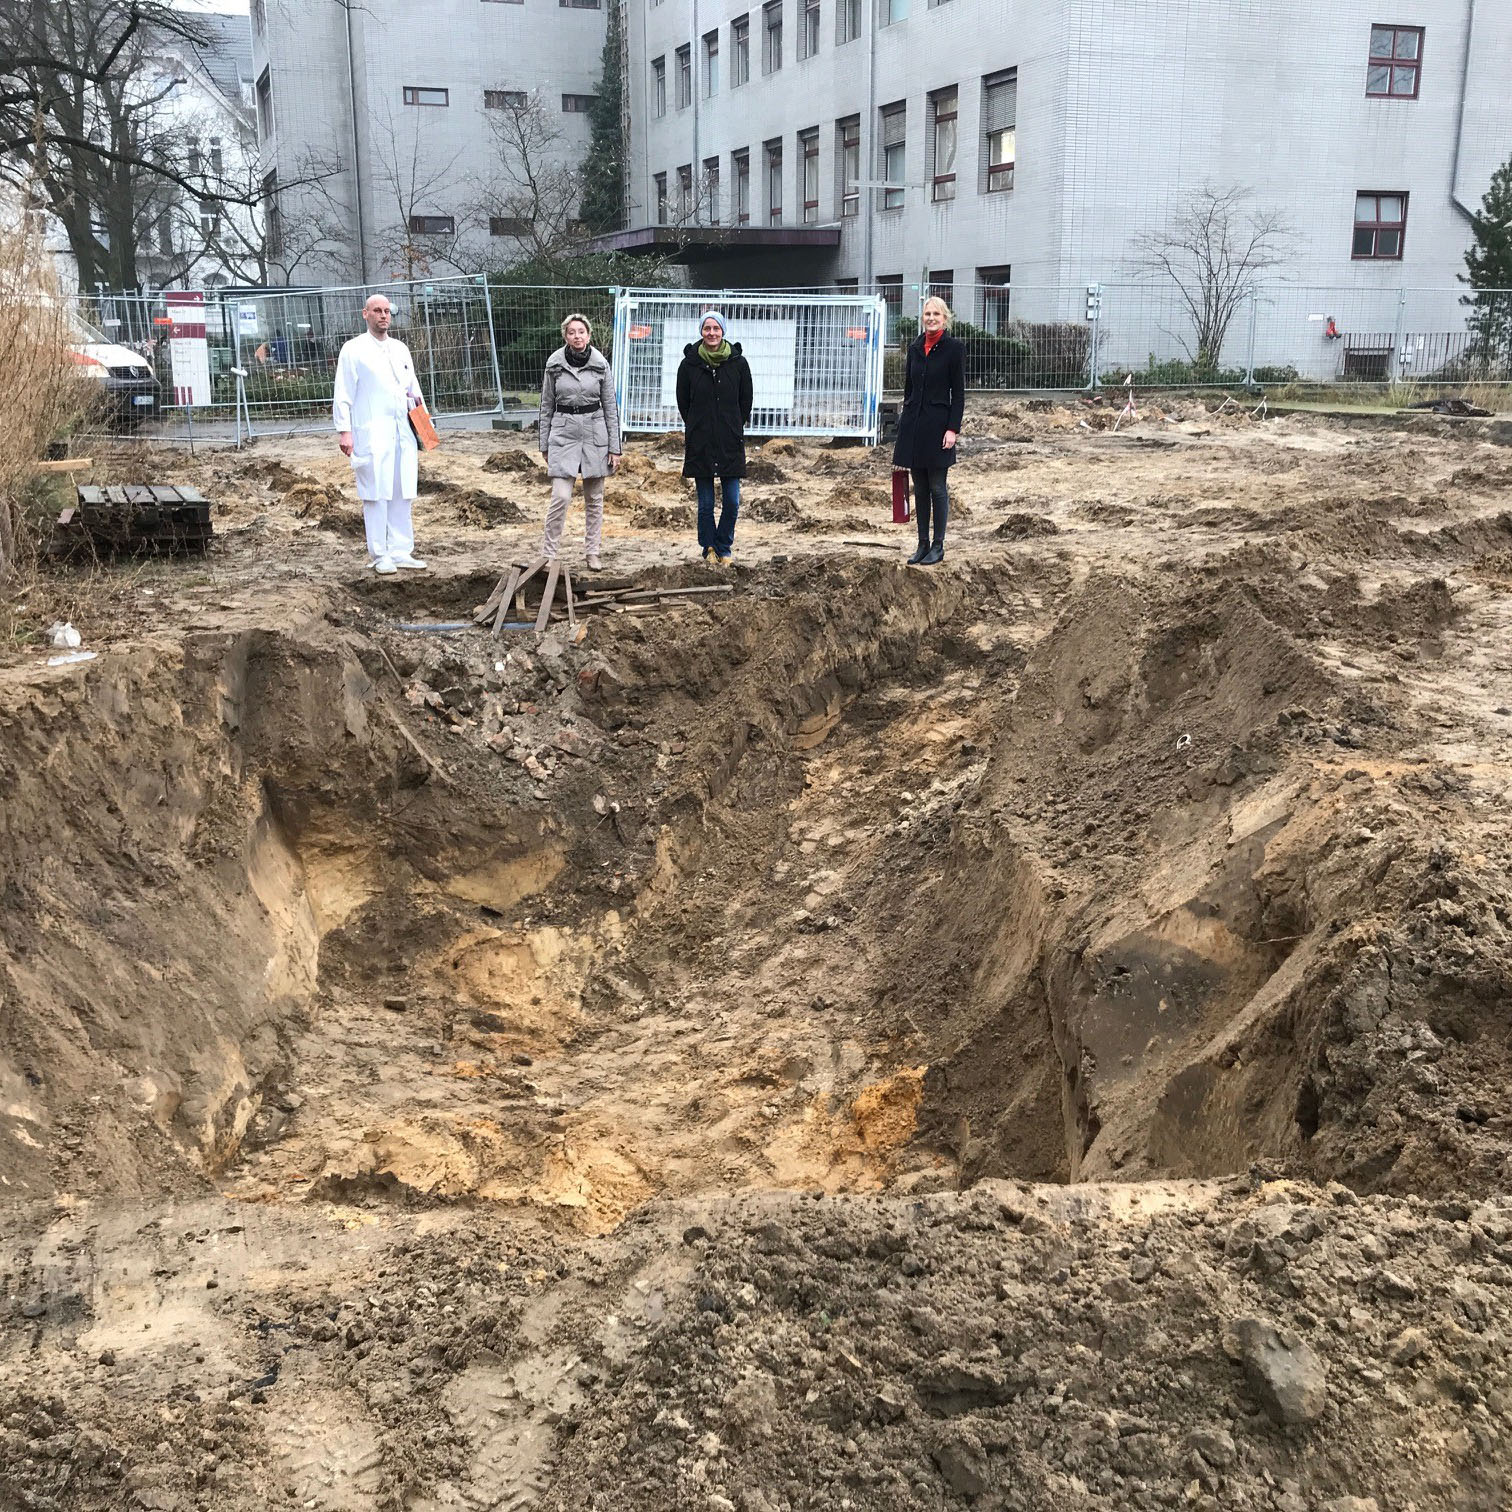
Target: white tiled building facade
(1035, 139)
(392, 104)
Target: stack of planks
(137, 521)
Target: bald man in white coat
(375, 390)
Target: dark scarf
(578, 359)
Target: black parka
(715, 404)
(934, 401)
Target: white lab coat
(375, 386)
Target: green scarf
(715, 357)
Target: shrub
(43, 395)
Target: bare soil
(1023, 1034)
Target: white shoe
(409, 561)
(384, 566)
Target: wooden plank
(115, 494)
(89, 494)
(164, 495)
(553, 572)
(665, 593)
(567, 589)
(66, 518)
(65, 465)
(191, 495)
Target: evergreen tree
(1488, 265)
(603, 168)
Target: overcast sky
(224, 7)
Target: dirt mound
(775, 509)
(860, 496)
(762, 470)
(1019, 526)
(516, 462)
(663, 516)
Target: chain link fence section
(286, 343)
(816, 359)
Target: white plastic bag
(62, 636)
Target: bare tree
(535, 189)
(87, 118)
(416, 185)
(1214, 251)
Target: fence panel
(816, 359)
(286, 343)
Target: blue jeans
(721, 536)
(931, 488)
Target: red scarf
(931, 341)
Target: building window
(848, 155)
(503, 99)
(942, 144)
(847, 285)
(576, 104)
(711, 189)
(771, 37)
(740, 47)
(1380, 225)
(774, 183)
(684, 77)
(217, 158)
(847, 20)
(433, 225)
(578, 4)
(1396, 56)
(999, 118)
(508, 225)
(209, 218)
(808, 149)
(808, 36)
(415, 94)
(164, 228)
(272, 214)
(710, 64)
(740, 171)
(890, 287)
(510, 2)
(659, 85)
(941, 285)
(992, 289)
(264, 105)
(893, 11)
(894, 120)
(661, 198)
(685, 194)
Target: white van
(126, 379)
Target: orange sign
(639, 333)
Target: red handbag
(902, 513)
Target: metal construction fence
(815, 359)
(480, 345)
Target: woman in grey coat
(579, 432)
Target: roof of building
(225, 53)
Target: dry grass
(38, 380)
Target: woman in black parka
(934, 404)
(714, 398)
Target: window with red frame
(1380, 225)
(1396, 57)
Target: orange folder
(424, 428)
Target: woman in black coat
(714, 398)
(934, 404)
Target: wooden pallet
(136, 520)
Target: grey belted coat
(578, 445)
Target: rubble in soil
(1022, 1034)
